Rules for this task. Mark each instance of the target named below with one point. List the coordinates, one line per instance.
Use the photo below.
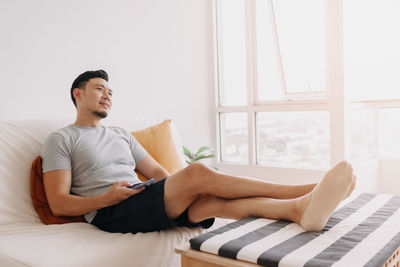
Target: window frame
(375, 106)
(333, 100)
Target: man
(88, 168)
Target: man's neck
(88, 122)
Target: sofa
(26, 241)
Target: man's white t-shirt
(97, 157)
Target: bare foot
(337, 184)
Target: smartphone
(140, 185)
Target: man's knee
(195, 177)
(199, 170)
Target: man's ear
(77, 94)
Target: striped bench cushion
(363, 231)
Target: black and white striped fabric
(363, 231)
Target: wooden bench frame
(194, 258)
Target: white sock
(326, 196)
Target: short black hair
(81, 80)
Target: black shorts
(143, 212)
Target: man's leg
(196, 180)
(210, 206)
(311, 211)
(288, 209)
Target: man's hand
(119, 192)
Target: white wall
(389, 176)
(158, 54)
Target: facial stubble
(100, 114)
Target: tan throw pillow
(158, 142)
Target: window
(362, 140)
(300, 37)
(389, 132)
(298, 138)
(372, 53)
(234, 135)
(233, 54)
(290, 97)
(371, 77)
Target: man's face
(96, 97)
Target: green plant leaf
(201, 149)
(187, 152)
(203, 157)
(188, 162)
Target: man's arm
(58, 185)
(150, 168)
